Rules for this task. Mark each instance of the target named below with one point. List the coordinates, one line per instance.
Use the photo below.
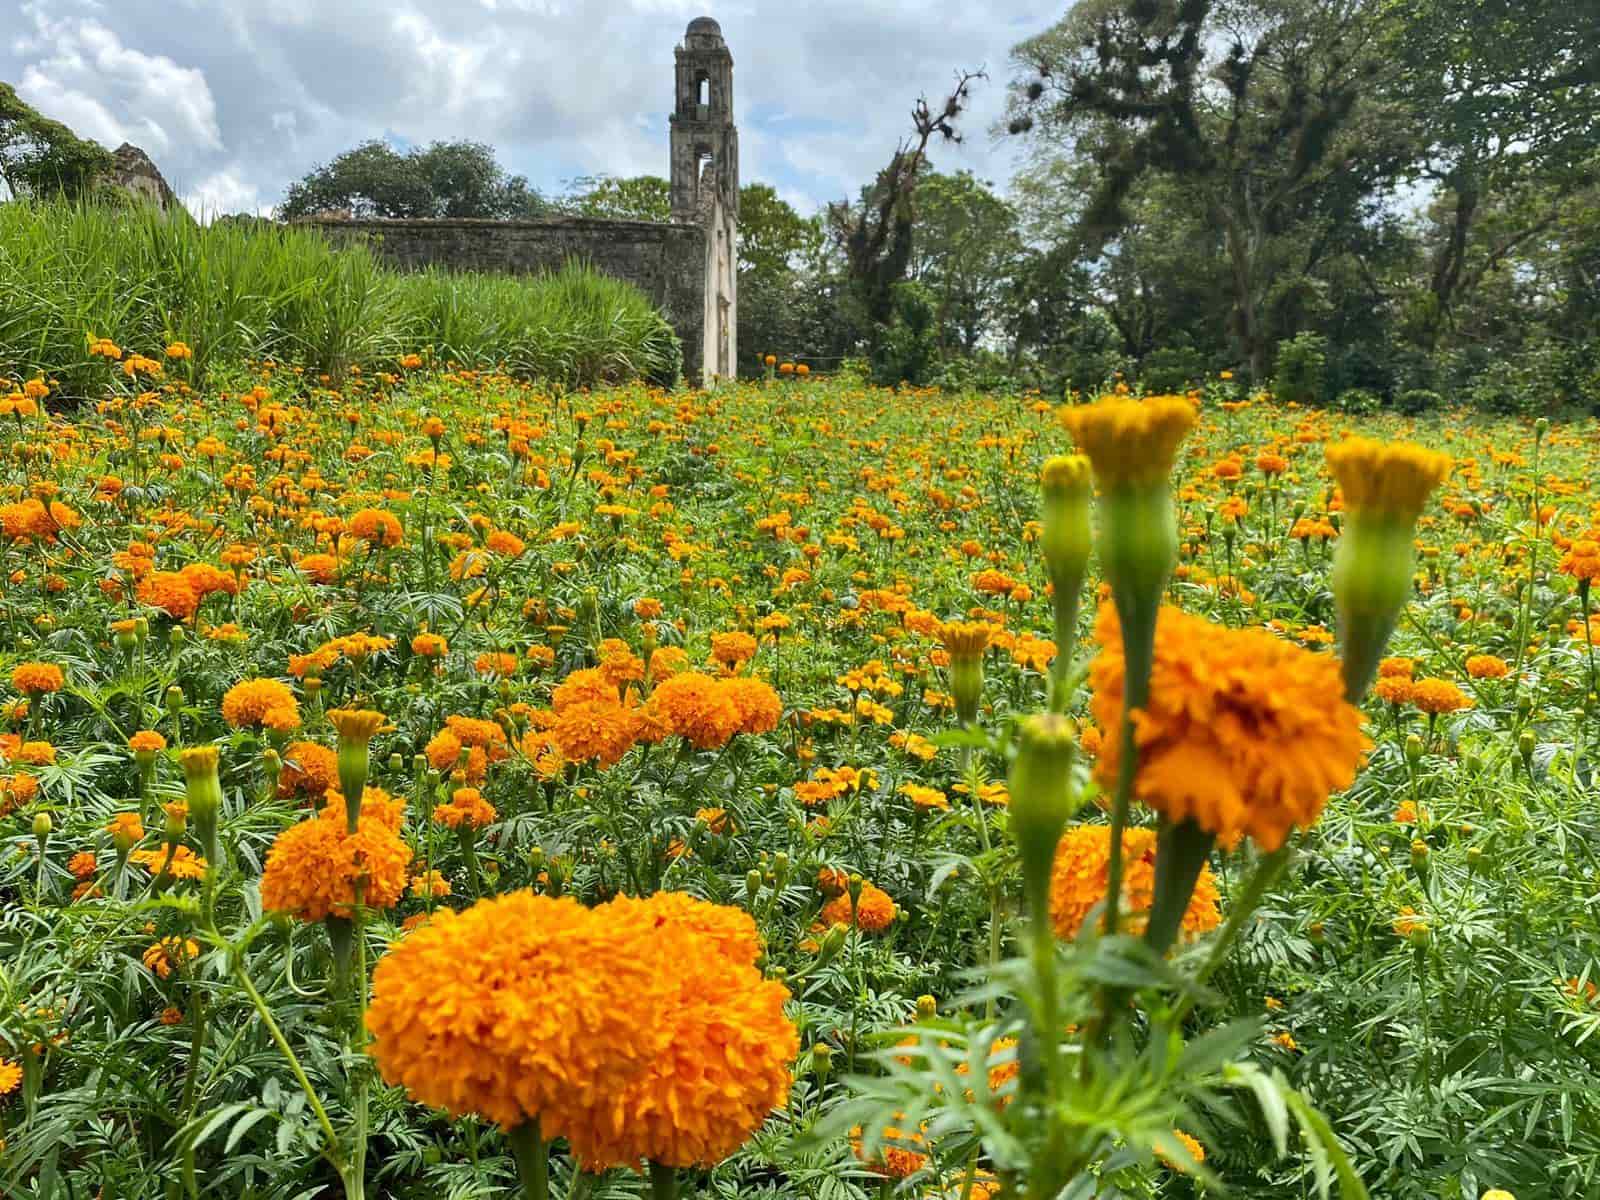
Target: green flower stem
(533, 1160)
(332, 1150)
(358, 1166)
(663, 1182)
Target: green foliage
(42, 158)
(238, 290)
(1301, 363)
(1415, 401)
(638, 198)
(1359, 402)
(904, 350)
(445, 179)
(1172, 369)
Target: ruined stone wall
(667, 262)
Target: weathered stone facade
(687, 266)
(665, 262)
(705, 182)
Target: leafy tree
(1255, 108)
(40, 157)
(1506, 96)
(445, 179)
(966, 248)
(876, 235)
(636, 198)
(773, 237)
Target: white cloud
(224, 192)
(85, 75)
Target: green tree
(773, 237)
(1506, 98)
(612, 198)
(445, 179)
(40, 157)
(965, 251)
(1259, 110)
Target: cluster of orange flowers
(637, 1030)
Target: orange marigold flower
(147, 741)
(1436, 696)
(875, 911)
(183, 863)
(83, 864)
(126, 829)
(899, 1153)
(520, 1007)
(377, 527)
(602, 730)
(260, 703)
(429, 645)
(726, 1063)
(466, 807)
(732, 650)
(492, 662)
(581, 687)
(1393, 689)
(697, 708)
(10, 1076)
(37, 678)
(1487, 666)
(1078, 881)
(758, 705)
(1244, 733)
(312, 868)
(308, 770)
(168, 953)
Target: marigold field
(438, 786)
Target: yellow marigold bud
(356, 727)
(1131, 443)
(1385, 486)
(204, 793)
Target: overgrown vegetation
(252, 290)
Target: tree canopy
(444, 179)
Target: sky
(235, 99)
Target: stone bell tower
(705, 183)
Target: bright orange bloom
(313, 867)
(1244, 733)
(37, 678)
(260, 704)
(1078, 881)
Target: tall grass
(239, 291)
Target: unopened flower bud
(1413, 749)
(821, 1060)
(42, 826)
(752, 885)
(203, 789)
(927, 1008)
(1041, 801)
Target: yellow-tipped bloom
(1130, 442)
(204, 793)
(965, 642)
(1393, 479)
(356, 724)
(356, 727)
(965, 639)
(1385, 486)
